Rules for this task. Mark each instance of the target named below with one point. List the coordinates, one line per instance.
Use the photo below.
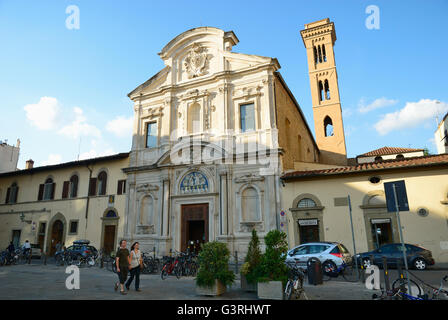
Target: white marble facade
(199, 152)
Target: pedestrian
(136, 265)
(11, 249)
(122, 262)
(26, 248)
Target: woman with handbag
(135, 266)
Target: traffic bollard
(386, 279)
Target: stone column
(223, 204)
(165, 208)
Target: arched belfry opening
(328, 127)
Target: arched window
(320, 54)
(194, 119)
(321, 91)
(378, 159)
(250, 205)
(327, 90)
(102, 183)
(306, 203)
(328, 127)
(324, 54)
(11, 193)
(147, 211)
(74, 186)
(399, 156)
(111, 214)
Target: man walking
(122, 262)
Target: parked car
(417, 257)
(324, 251)
(82, 248)
(36, 251)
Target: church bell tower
(319, 38)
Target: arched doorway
(57, 232)
(109, 230)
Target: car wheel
(420, 264)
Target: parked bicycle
(150, 263)
(348, 271)
(294, 287)
(63, 258)
(171, 266)
(422, 291)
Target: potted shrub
(273, 273)
(249, 270)
(213, 275)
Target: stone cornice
(203, 80)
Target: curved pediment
(226, 39)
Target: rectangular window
(121, 188)
(151, 134)
(247, 116)
(73, 226)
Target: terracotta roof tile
(388, 150)
(425, 161)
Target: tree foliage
(214, 265)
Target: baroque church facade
(213, 132)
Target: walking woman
(122, 262)
(136, 262)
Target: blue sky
(389, 79)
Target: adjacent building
(318, 209)
(65, 202)
(389, 153)
(9, 156)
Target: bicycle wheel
(415, 288)
(298, 291)
(288, 290)
(328, 270)
(350, 274)
(178, 271)
(164, 272)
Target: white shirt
(135, 261)
(27, 245)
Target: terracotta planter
(217, 290)
(272, 290)
(249, 287)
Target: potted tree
(249, 270)
(273, 273)
(213, 275)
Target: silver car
(324, 251)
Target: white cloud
(95, 154)
(412, 115)
(376, 104)
(44, 114)
(52, 159)
(79, 127)
(121, 126)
